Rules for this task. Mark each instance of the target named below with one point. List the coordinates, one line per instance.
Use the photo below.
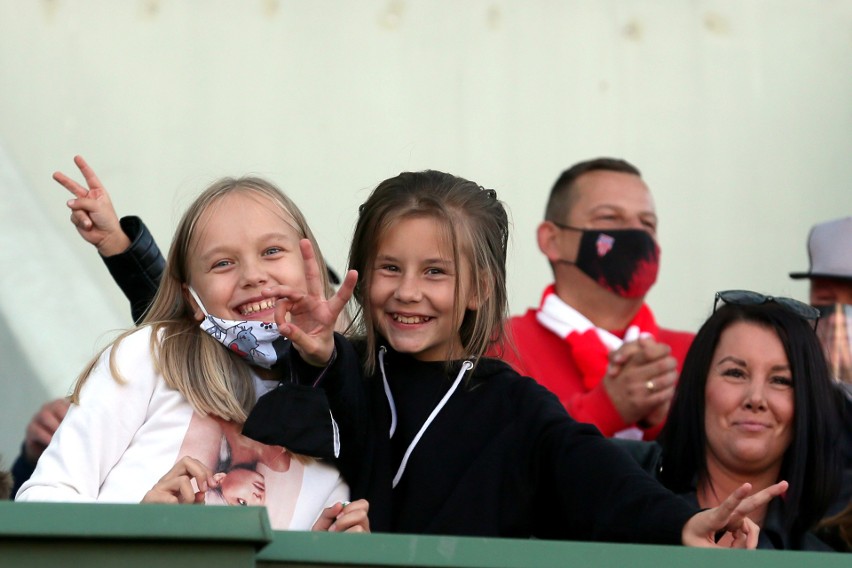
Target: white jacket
(123, 437)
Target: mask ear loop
(564, 227)
(198, 301)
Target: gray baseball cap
(829, 250)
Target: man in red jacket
(593, 341)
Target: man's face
(612, 200)
(607, 200)
(825, 291)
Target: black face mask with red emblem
(624, 261)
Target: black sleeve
(343, 383)
(341, 380)
(138, 270)
(22, 470)
(594, 490)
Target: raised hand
(92, 212)
(308, 319)
(732, 517)
(641, 380)
(176, 486)
(344, 517)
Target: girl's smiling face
(749, 401)
(413, 290)
(244, 243)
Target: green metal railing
(95, 535)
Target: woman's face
(749, 401)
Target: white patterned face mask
(258, 342)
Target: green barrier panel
(95, 535)
(380, 550)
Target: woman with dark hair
(755, 403)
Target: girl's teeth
(252, 308)
(410, 319)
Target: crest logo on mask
(604, 244)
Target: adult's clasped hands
(640, 381)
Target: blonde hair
(212, 379)
(476, 227)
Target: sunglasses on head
(749, 298)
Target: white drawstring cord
(466, 366)
(388, 394)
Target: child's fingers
(704, 527)
(283, 294)
(187, 493)
(745, 537)
(726, 515)
(70, 184)
(327, 517)
(761, 498)
(81, 220)
(740, 540)
(158, 495)
(88, 173)
(95, 187)
(313, 351)
(181, 487)
(312, 275)
(173, 490)
(731, 516)
(283, 305)
(751, 533)
(191, 468)
(87, 204)
(344, 293)
(739, 505)
(359, 507)
(295, 334)
(352, 518)
(355, 521)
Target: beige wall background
(738, 113)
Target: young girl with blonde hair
(152, 403)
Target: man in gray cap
(830, 254)
(830, 273)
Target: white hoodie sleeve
(96, 433)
